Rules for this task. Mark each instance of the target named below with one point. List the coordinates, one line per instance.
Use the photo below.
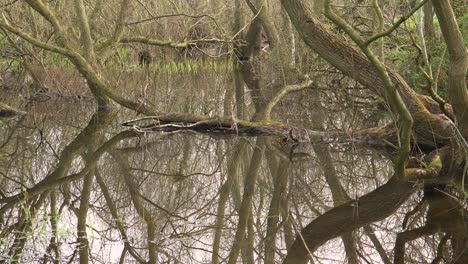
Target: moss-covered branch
(49, 15)
(34, 41)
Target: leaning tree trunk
(353, 63)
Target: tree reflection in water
(89, 192)
(292, 138)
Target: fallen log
(228, 126)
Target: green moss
(436, 163)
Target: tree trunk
(429, 29)
(353, 63)
(458, 56)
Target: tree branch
(283, 92)
(395, 26)
(34, 41)
(397, 104)
(85, 35)
(109, 44)
(45, 11)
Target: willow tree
(438, 127)
(85, 42)
(421, 121)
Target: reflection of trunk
(370, 208)
(41, 191)
(339, 195)
(248, 245)
(445, 215)
(83, 243)
(183, 163)
(378, 246)
(280, 173)
(287, 226)
(246, 206)
(142, 211)
(117, 218)
(223, 197)
(23, 226)
(84, 202)
(53, 244)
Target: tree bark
(353, 63)
(458, 57)
(429, 29)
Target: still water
(76, 186)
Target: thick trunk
(429, 29)
(458, 56)
(226, 189)
(353, 63)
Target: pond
(74, 180)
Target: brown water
(71, 177)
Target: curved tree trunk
(345, 218)
(339, 53)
